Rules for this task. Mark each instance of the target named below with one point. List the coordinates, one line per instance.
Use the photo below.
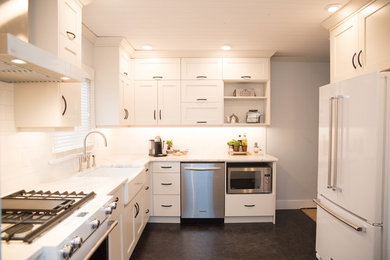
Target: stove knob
(66, 251)
(76, 242)
(108, 210)
(95, 223)
(113, 205)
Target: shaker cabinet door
(375, 37)
(344, 50)
(246, 69)
(146, 103)
(169, 102)
(201, 68)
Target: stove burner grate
(25, 209)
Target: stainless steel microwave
(241, 180)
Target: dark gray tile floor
(293, 237)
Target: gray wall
(293, 134)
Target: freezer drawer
(338, 241)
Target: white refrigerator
(353, 168)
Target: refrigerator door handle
(329, 186)
(343, 220)
(336, 141)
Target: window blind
(68, 141)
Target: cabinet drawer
(166, 205)
(166, 183)
(246, 69)
(134, 186)
(154, 69)
(201, 113)
(202, 91)
(201, 68)
(249, 205)
(166, 167)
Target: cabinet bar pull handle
(126, 113)
(157, 77)
(202, 169)
(147, 187)
(71, 34)
(201, 99)
(147, 211)
(166, 167)
(201, 122)
(353, 60)
(66, 105)
(357, 228)
(154, 114)
(125, 73)
(201, 77)
(166, 206)
(358, 59)
(249, 206)
(160, 114)
(166, 183)
(246, 77)
(329, 186)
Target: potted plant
(169, 144)
(235, 144)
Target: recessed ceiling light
(17, 61)
(226, 47)
(147, 47)
(65, 78)
(333, 8)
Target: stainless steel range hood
(23, 62)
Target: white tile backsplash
(25, 155)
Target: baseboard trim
(294, 204)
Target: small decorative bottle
(256, 148)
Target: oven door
(96, 246)
(244, 180)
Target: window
(71, 141)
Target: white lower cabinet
(166, 183)
(166, 205)
(241, 205)
(201, 113)
(128, 231)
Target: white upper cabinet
(145, 102)
(202, 113)
(157, 103)
(344, 50)
(47, 104)
(202, 91)
(114, 90)
(256, 69)
(169, 102)
(201, 68)
(375, 36)
(55, 26)
(157, 69)
(360, 44)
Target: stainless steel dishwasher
(202, 190)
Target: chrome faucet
(85, 157)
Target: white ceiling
(290, 27)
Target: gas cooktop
(26, 215)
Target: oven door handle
(112, 226)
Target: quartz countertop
(142, 160)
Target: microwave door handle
(93, 249)
(329, 186)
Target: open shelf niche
(240, 105)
